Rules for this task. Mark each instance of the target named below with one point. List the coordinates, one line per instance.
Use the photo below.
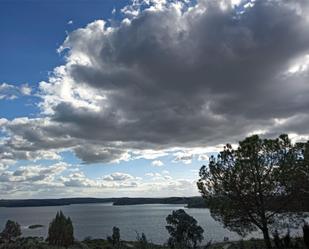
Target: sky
(116, 98)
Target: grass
(252, 244)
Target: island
(35, 226)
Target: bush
(142, 241)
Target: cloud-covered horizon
(170, 78)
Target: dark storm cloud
(175, 73)
(176, 76)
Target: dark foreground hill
(39, 243)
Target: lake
(97, 220)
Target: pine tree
(255, 185)
(61, 232)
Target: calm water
(97, 220)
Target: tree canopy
(115, 238)
(60, 232)
(11, 230)
(183, 229)
(252, 187)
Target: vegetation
(306, 234)
(142, 243)
(183, 229)
(60, 232)
(137, 201)
(241, 184)
(197, 202)
(35, 226)
(11, 230)
(255, 186)
(114, 240)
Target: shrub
(142, 241)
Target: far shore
(190, 202)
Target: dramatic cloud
(172, 74)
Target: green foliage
(11, 230)
(277, 240)
(115, 238)
(60, 232)
(35, 226)
(97, 243)
(285, 242)
(39, 243)
(183, 229)
(306, 234)
(142, 242)
(24, 243)
(250, 188)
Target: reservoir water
(97, 220)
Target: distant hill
(191, 202)
(52, 202)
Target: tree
(11, 230)
(115, 238)
(183, 229)
(60, 232)
(250, 187)
(142, 241)
(301, 183)
(306, 234)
